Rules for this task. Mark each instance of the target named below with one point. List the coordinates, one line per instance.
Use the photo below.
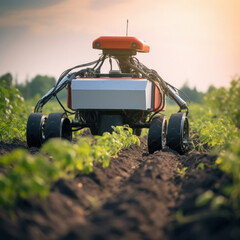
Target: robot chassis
(133, 95)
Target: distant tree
(38, 85)
(41, 84)
(193, 94)
(23, 89)
(211, 88)
(7, 78)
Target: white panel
(119, 93)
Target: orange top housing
(130, 43)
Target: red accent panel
(157, 99)
(69, 97)
(111, 42)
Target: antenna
(127, 28)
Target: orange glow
(194, 40)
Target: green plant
(200, 166)
(32, 175)
(25, 176)
(122, 137)
(204, 198)
(225, 102)
(182, 171)
(229, 162)
(216, 124)
(12, 113)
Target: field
(111, 188)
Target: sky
(194, 41)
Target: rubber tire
(107, 121)
(178, 132)
(58, 126)
(35, 124)
(157, 134)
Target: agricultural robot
(133, 95)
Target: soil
(137, 197)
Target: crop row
(216, 123)
(29, 175)
(25, 175)
(12, 113)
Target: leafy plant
(200, 166)
(229, 162)
(225, 102)
(182, 171)
(216, 124)
(13, 113)
(28, 175)
(204, 198)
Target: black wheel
(35, 132)
(107, 121)
(137, 131)
(178, 132)
(58, 126)
(157, 133)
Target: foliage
(204, 198)
(122, 137)
(229, 162)
(7, 78)
(216, 123)
(215, 201)
(182, 172)
(28, 176)
(38, 85)
(225, 102)
(12, 112)
(212, 131)
(194, 95)
(200, 166)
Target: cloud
(51, 18)
(96, 4)
(12, 5)
(188, 40)
(70, 16)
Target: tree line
(41, 84)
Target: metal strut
(154, 77)
(125, 62)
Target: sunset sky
(190, 40)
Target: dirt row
(137, 197)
